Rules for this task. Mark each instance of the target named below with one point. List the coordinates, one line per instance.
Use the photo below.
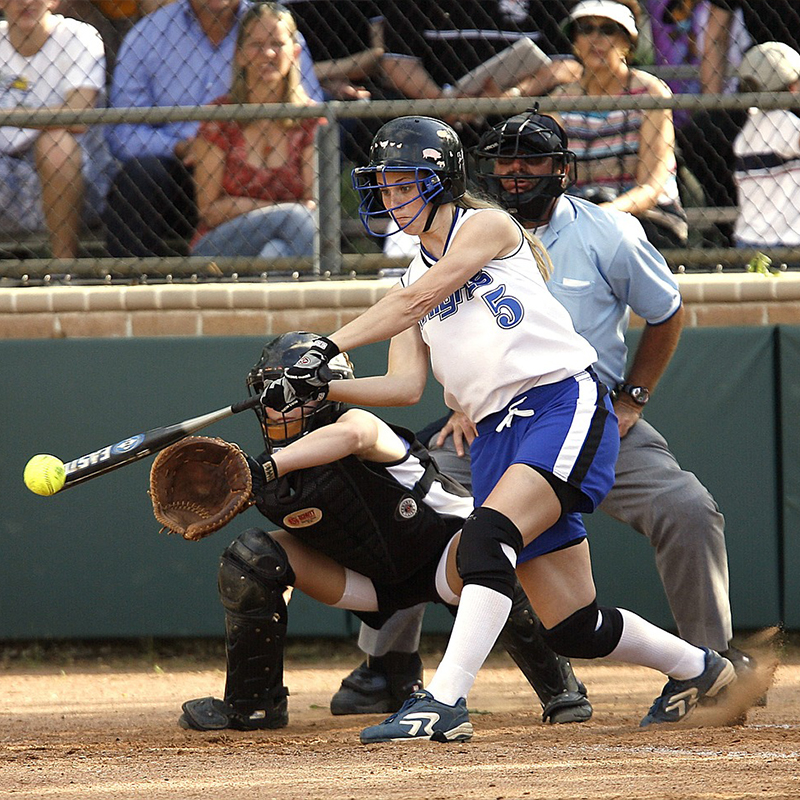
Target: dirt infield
(85, 730)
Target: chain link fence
(141, 172)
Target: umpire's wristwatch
(639, 394)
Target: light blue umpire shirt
(604, 267)
(166, 60)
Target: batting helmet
(429, 150)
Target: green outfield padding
(91, 563)
(716, 408)
(789, 349)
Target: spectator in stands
(344, 39)
(707, 142)
(704, 138)
(626, 157)
(388, 50)
(51, 177)
(430, 46)
(112, 18)
(765, 20)
(678, 33)
(767, 152)
(179, 55)
(255, 179)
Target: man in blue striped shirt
(180, 55)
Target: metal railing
(328, 260)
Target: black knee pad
(253, 570)
(480, 557)
(576, 637)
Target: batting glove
(281, 396)
(311, 373)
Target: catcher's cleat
(571, 705)
(423, 717)
(379, 685)
(561, 693)
(680, 698)
(211, 714)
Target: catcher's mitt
(198, 485)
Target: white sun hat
(609, 9)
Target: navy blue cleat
(679, 698)
(423, 717)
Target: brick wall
(263, 309)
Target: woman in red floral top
(254, 179)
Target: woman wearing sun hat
(626, 157)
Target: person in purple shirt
(180, 55)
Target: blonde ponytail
(540, 254)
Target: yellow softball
(44, 475)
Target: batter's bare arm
(357, 432)
(397, 311)
(403, 307)
(401, 385)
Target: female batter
(474, 300)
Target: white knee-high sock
(645, 644)
(482, 613)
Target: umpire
(603, 267)
(368, 524)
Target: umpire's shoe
(379, 685)
(211, 714)
(745, 666)
(423, 717)
(679, 698)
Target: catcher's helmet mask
(526, 137)
(429, 150)
(281, 353)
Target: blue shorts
(568, 429)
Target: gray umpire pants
(658, 499)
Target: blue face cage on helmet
(432, 155)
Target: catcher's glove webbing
(198, 485)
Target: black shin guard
(562, 695)
(253, 574)
(590, 632)
(480, 558)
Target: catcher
(368, 524)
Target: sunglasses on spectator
(604, 28)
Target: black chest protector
(359, 515)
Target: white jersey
(71, 58)
(499, 334)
